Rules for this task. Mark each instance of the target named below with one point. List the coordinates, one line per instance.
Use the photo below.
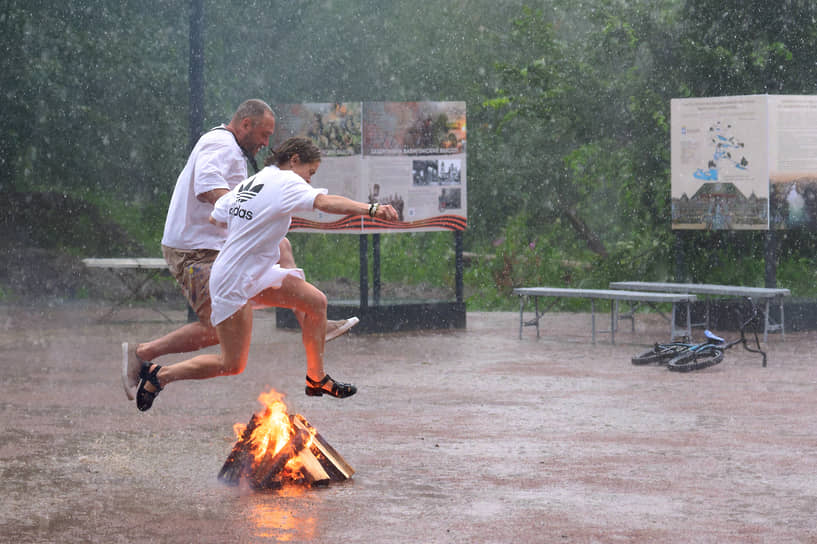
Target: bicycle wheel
(660, 353)
(696, 360)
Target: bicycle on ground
(686, 356)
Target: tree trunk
(593, 241)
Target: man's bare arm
(217, 223)
(212, 196)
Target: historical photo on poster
(793, 161)
(424, 172)
(335, 128)
(436, 172)
(394, 198)
(720, 163)
(450, 172)
(407, 154)
(414, 128)
(450, 199)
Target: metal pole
(364, 272)
(680, 264)
(195, 73)
(376, 269)
(196, 70)
(458, 265)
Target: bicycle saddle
(714, 337)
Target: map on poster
(744, 162)
(411, 155)
(720, 174)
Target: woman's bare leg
(302, 296)
(287, 260)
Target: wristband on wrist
(373, 209)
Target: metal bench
(762, 295)
(615, 296)
(124, 268)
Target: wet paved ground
(457, 437)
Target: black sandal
(339, 390)
(144, 398)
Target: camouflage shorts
(191, 268)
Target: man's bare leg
(235, 333)
(190, 337)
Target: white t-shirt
(216, 162)
(258, 213)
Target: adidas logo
(247, 191)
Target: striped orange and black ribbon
(362, 222)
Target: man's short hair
(252, 108)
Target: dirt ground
(456, 437)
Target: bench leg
(593, 319)
(536, 310)
(672, 324)
(537, 315)
(613, 314)
(633, 308)
(134, 284)
(766, 324)
(689, 319)
(521, 314)
(674, 330)
(782, 321)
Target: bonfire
(277, 448)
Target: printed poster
(793, 161)
(411, 155)
(744, 162)
(720, 163)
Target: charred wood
(263, 476)
(240, 458)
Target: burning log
(240, 456)
(264, 474)
(330, 462)
(276, 448)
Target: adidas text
(241, 212)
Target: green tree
(746, 47)
(572, 120)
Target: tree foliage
(581, 111)
(568, 105)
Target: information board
(744, 162)
(411, 155)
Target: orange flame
(274, 429)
